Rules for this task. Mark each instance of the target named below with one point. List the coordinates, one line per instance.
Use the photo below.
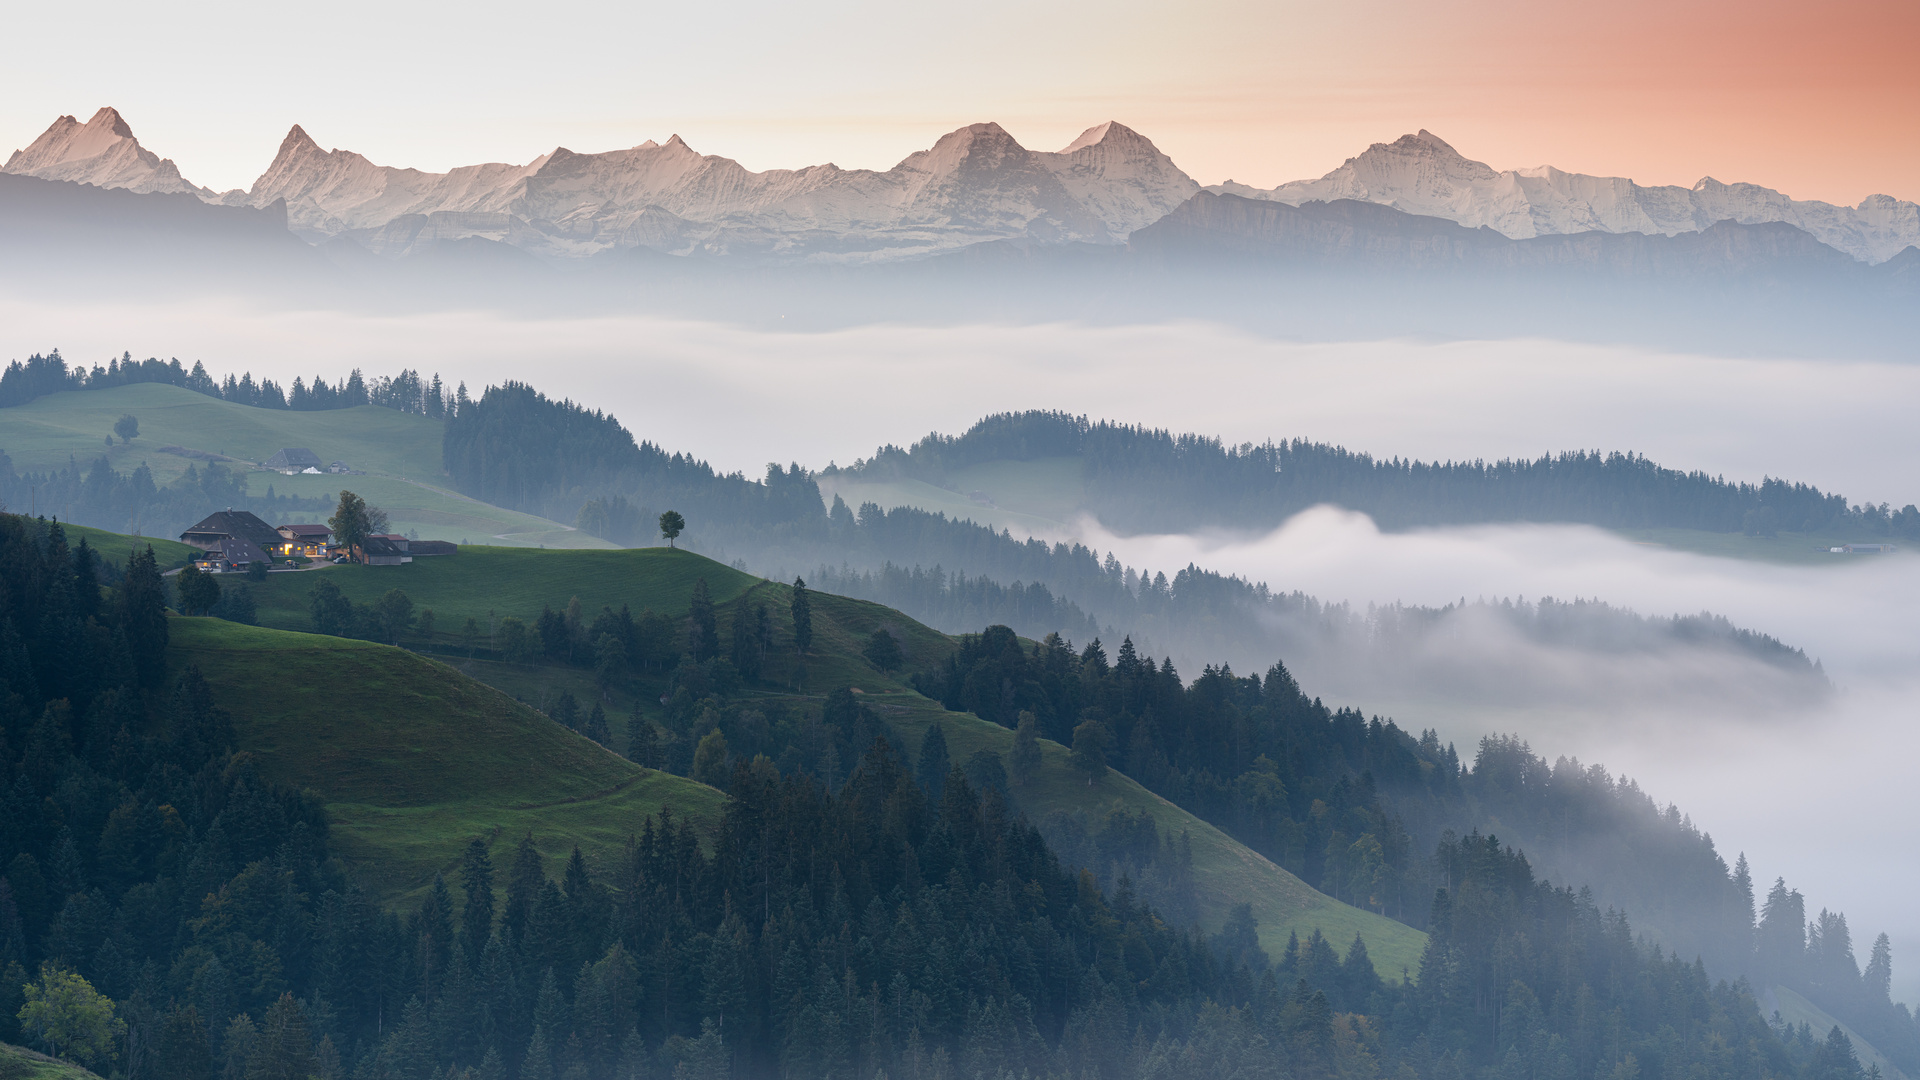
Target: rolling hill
(398, 453)
(414, 760)
(382, 762)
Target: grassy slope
(1795, 1009)
(414, 760)
(400, 453)
(115, 548)
(20, 1063)
(519, 582)
(512, 581)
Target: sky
(1812, 99)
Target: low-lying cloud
(1816, 790)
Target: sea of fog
(1818, 796)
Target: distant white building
(294, 459)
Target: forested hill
(155, 875)
(516, 447)
(1146, 479)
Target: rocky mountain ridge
(101, 152)
(974, 184)
(1422, 174)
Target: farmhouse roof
(241, 524)
(238, 550)
(295, 458)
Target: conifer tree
(703, 634)
(1024, 763)
(642, 740)
(143, 616)
(523, 886)
(183, 1053)
(596, 726)
(802, 610)
(283, 1048)
(932, 768)
(476, 878)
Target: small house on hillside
(380, 550)
(340, 468)
(294, 459)
(231, 554)
(231, 524)
(309, 541)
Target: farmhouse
(294, 459)
(231, 524)
(230, 555)
(309, 541)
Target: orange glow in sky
(1817, 100)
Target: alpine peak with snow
(1422, 174)
(974, 184)
(101, 152)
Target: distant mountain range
(975, 184)
(1421, 174)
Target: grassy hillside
(20, 1063)
(414, 759)
(115, 548)
(399, 453)
(408, 785)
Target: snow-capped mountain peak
(1423, 174)
(102, 152)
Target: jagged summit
(102, 152)
(297, 139)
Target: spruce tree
(596, 726)
(802, 609)
(523, 886)
(934, 762)
(703, 634)
(183, 1053)
(642, 741)
(283, 1048)
(143, 615)
(1024, 763)
(476, 877)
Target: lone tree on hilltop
(672, 525)
(127, 428)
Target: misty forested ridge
(1138, 479)
(879, 925)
